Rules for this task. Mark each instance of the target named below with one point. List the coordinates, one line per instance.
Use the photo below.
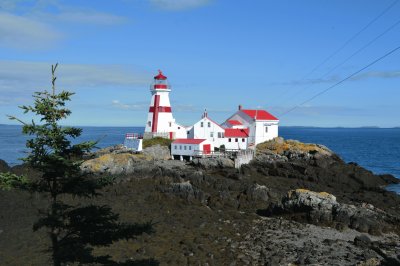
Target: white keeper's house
(241, 131)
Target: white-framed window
(266, 129)
(229, 140)
(190, 148)
(236, 140)
(209, 124)
(243, 140)
(220, 135)
(180, 147)
(149, 123)
(211, 134)
(176, 147)
(170, 124)
(184, 147)
(188, 132)
(202, 124)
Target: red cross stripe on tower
(156, 109)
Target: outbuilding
(188, 148)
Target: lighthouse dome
(160, 76)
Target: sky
(217, 54)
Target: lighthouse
(160, 121)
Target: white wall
(199, 132)
(191, 149)
(233, 145)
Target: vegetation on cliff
(74, 229)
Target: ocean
(376, 149)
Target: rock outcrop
(323, 209)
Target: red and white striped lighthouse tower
(160, 121)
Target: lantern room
(160, 83)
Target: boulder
(114, 164)
(209, 163)
(157, 152)
(322, 208)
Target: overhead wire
(351, 56)
(343, 80)
(346, 43)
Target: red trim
(236, 132)
(155, 113)
(160, 86)
(160, 76)
(234, 122)
(188, 141)
(161, 109)
(261, 114)
(207, 148)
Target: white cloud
(135, 107)
(26, 33)
(177, 5)
(377, 74)
(20, 78)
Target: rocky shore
(294, 204)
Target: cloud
(377, 74)
(311, 110)
(21, 78)
(131, 107)
(22, 32)
(177, 5)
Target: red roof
(188, 141)
(234, 122)
(261, 114)
(160, 76)
(236, 132)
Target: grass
(156, 141)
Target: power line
(351, 56)
(343, 80)
(346, 43)
(353, 37)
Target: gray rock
(322, 208)
(209, 163)
(157, 152)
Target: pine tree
(73, 230)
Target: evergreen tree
(73, 230)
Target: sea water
(376, 149)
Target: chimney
(240, 107)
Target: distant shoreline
(316, 127)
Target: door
(206, 148)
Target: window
(179, 127)
(176, 147)
(188, 132)
(236, 140)
(170, 124)
(229, 140)
(209, 124)
(202, 124)
(211, 134)
(180, 147)
(266, 129)
(243, 140)
(184, 147)
(190, 148)
(149, 123)
(220, 135)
